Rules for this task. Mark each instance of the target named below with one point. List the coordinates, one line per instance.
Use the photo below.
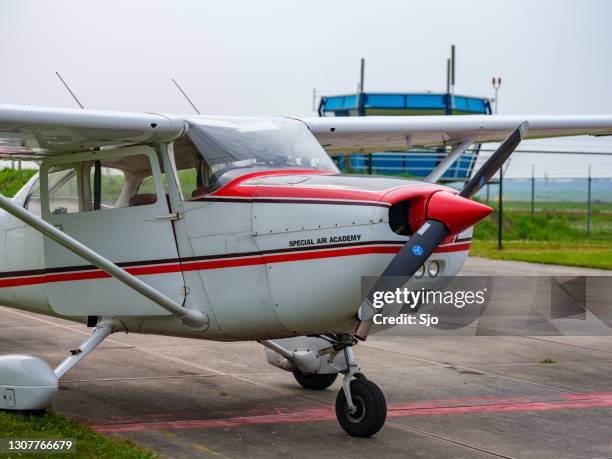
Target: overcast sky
(264, 57)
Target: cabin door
(112, 201)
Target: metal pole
(452, 77)
(453, 66)
(500, 217)
(362, 75)
(488, 193)
(190, 317)
(496, 81)
(370, 163)
(588, 225)
(448, 101)
(532, 191)
(496, 98)
(448, 76)
(360, 101)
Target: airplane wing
(400, 133)
(33, 132)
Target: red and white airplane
(224, 228)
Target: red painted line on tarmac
(421, 408)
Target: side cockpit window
(193, 173)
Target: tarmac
(448, 396)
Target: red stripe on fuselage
(220, 263)
(453, 248)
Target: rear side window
(104, 184)
(117, 182)
(32, 202)
(63, 190)
(112, 182)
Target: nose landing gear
(316, 361)
(361, 408)
(369, 409)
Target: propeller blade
(403, 266)
(492, 165)
(447, 214)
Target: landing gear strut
(361, 408)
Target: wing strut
(448, 160)
(191, 318)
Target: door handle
(165, 218)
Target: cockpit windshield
(232, 147)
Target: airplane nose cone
(455, 212)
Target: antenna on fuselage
(69, 90)
(186, 96)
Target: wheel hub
(360, 411)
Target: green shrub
(12, 180)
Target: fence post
(487, 193)
(588, 222)
(500, 215)
(370, 163)
(532, 191)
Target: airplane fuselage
(271, 254)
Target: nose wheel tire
(314, 381)
(371, 409)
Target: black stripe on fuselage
(289, 201)
(131, 264)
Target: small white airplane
(228, 229)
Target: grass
(50, 425)
(547, 225)
(550, 236)
(11, 180)
(555, 205)
(585, 255)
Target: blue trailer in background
(413, 163)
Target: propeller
(446, 214)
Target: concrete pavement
(448, 396)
